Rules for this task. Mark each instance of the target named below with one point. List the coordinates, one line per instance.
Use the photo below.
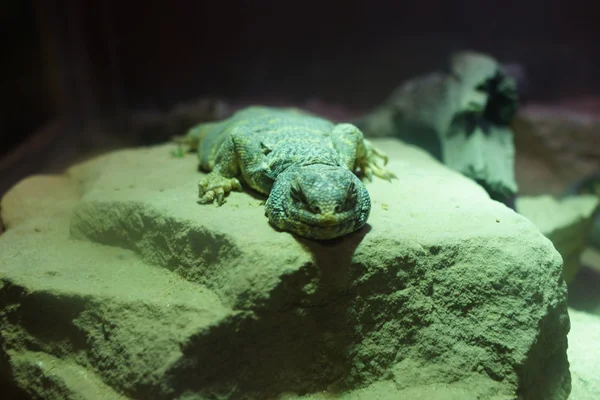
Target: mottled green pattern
(305, 165)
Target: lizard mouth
(317, 226)
(323, 226)
(324, 220)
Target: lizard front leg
(367, 157)
(359, 153)
(223, 178)
(216, 186)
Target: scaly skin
(304, 164)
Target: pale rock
(566, 222)
(114, 284)
(584, 355)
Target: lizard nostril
(317, 210)
(338, 209)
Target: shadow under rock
(298, 342)
(583, 291)
(12, 392)
(333, 258)
(265, 352)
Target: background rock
(460, 115)
(114, 275)
(565, 222)
(557, 144)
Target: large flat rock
(114, 282)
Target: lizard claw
(384, 173)
(220, 194)
(368, 172)
(368, 164)
(380, 154)
(216, 187)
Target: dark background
(84, 61)
(90, 61)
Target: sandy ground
(584, 355)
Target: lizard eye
(296, 193)
(351, 196)
(265, 148)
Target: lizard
(306, 165)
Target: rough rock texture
(116, 284)
(556, 145)
(565, 222)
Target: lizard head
(318, 202)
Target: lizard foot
(188, 141)
(216, 187)
(369, 166)
(181, 142)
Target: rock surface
(584, 352)
(115, 284)
(565, 222)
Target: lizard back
(268, 125)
